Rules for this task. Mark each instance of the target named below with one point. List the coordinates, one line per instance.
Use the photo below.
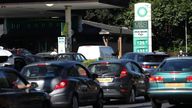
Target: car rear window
(3, 59)
(154, 58)
(65, 57)
(41, 71)
(103, 68)
(176, 65)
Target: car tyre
(147, 98)
(99, 103)
(46, 104)
(74, 102)
(155, 104)
(131, 98)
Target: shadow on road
(181, 106)
(121, 102)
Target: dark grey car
(68, 83)
(15, 94)
(120, 79)
(148, 61)
(71, 56)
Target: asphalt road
(140, 103)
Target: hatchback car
(171, 82)
(120, 79)
(15, 92)
(71, 56)
(148, 61)
(68, 83)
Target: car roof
(148, 53)
(7, 68)
(64, 63)
(120, 61)
(179, 58)
(69, 53)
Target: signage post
(142, 39)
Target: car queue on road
(62, 82)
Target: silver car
(148, 61)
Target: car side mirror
(34, 85)
(148, 74)
(94, 76)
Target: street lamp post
(186, 37)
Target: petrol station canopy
(53, 8)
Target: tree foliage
(168, 20)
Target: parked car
(97, 52)
(148, 61)
(26, 55)
(120, 79)
(68, 83)
(71, 56)
(46, 56)
(14, 92)
(172, 82)
(17, 58)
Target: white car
(96, 51)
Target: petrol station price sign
(140, 39)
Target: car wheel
(155, 104)
(147, 98)
(99, 103)
(74, 102)
(106, 100)
(131, 98)
(46, 104)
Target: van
(96, 51)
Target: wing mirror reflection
(34, 85)
(94, 76)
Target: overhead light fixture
(49, 5)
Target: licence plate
(174, 85)
(154, 67)
(105, 80)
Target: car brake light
(146, 66)
(123, 73)
(41, 65)
(155, 79)
(61, 84)
(189, 79)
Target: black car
(15, 92)
(17, 58)
(120, 79)
(149, 61)
(68, 83)
(71, 56)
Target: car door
(21, 97)
(140, 78)
(90, 87)
(4, 95)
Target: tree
(168, 20)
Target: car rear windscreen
(103, 68)
(177, 65)
(3, 59)
(154, 58)
(41, 71)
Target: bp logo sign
(142, 11)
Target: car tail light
(61, 84)
(41, 65)
(123, 73)
(156, 79)
(146, 66)
(189, 79)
